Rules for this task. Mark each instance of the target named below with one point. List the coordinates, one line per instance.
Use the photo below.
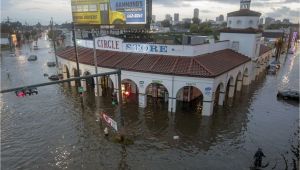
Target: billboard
(109, 12)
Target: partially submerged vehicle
(53, 77)
(51, 64)
(32, 58)
(288, 94)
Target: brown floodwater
(58, 129)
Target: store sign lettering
(108, 44)
(146, 48)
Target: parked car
(35, 47)
(275, 64)
(32, 58)
(272, 70)
(53, 77)
(51, 64)
(288, 94)
(31, 91)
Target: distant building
(269, 20)
(168, 17)
(277, 21)
(196, 13)
(176, 18)
(187, 20)
(285, 21)
(221, 18)
(153, 18)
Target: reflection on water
(58, 129)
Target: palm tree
(278, 46)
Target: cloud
(283, 12)
(42, 10)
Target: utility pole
(76, 52)
(96, 64)
(53, 41)
(289, 42)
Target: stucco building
(207, 74)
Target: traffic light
(114, 98)
(27, 91)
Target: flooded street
(58, 129)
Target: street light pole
(96, 64)
(76, 52)
(54, 44)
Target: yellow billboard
(106, 12)
(95, 12)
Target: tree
(196, 20)
(194, 28)
(165, 23)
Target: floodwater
(58, 129)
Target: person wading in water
(258, 158)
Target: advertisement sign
(208, 91)
(134, 10)
(109, 43)
(109, 12)
(110, 121)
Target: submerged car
(35, 47)
(32, 58)
(272, 70)
(288, 94)
(275, 64)
(53, 77)
(51, 64)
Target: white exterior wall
(224, 78)
(249, 44)
(232, 22)
(172, 83)
(172, 50)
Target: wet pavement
(58, 129)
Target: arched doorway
(230, 87)
(189, 99)
(157, 95)
(239, 82)
(219, 95)
(107, 85)
(246, 78)
(129, 91)
(66, 73)
(88, 83)
(74, 74)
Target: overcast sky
(33, 11)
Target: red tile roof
(243, 12)
(207, 65)
(264, 49)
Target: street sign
(80, 89)
(110, 121)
